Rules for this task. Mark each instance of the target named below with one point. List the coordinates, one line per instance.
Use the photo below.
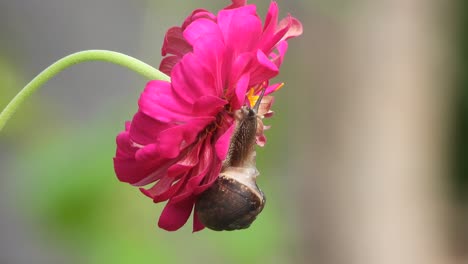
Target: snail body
(234, 200)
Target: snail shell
(234, 200)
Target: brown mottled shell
(230, 204)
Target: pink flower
(180, 135)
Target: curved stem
(75, 58)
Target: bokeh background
(367, 160)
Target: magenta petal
(168, 63)
(159, 101)
(261, 140)
(174, 188)
(144, 129)
(175, 215)
(197, 224)
(236, 4)
(192, 79)
(201, 28)
(160, 187)
(271, 19)
(241, 28)
(172, 140)
(174, 43)
(241, 89)
(126, 167)
(208, 106)
(204, 166)
(282, 48)
(293, 26)
(272, 88)
(189, 161)
(198, 14)
(125, 148)
(222, 145)
(209, 179)
(264, 70)
(164, 192)
(239, 66)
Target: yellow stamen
(252, 97)
(279, 86)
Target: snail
(234, 200)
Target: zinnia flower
(180, 135)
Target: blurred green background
(60, 201)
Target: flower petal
(209, 179)
(175, 43)
(222, 145)
(175, 215)
(201, 28)
(282, 47)
(264, 69)
(171, 141)
(293, 26)
(130, 170)
(241, 28)
(208, 106)
(241, 89)
(197, 224)
(236, 4)
(144, 129)
(160, 102)
(168, 63)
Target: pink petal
(126, 167)
(239, 67)
(198, 14)
(160, 187)
(265, 105)
(263, 70)
(159, 101)
(241, 28)
(271, 19)
(172, 140)
(200, 172)
(175, 215)
(261, 140)
(204, 166)
(293, 26)
(210, 178)
(222, 144)
(272, 88)
(164, 192)
(125, 148)
(170, 192)
(200, 28)
(174, 43)
(241, 89)
(236, 4)
(282, 47)
(168, 63)
(144, 129)
(208, 106)
(192, 78)
(187, 162)
(197, 225)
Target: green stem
(70, 60)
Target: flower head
(180, 135)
